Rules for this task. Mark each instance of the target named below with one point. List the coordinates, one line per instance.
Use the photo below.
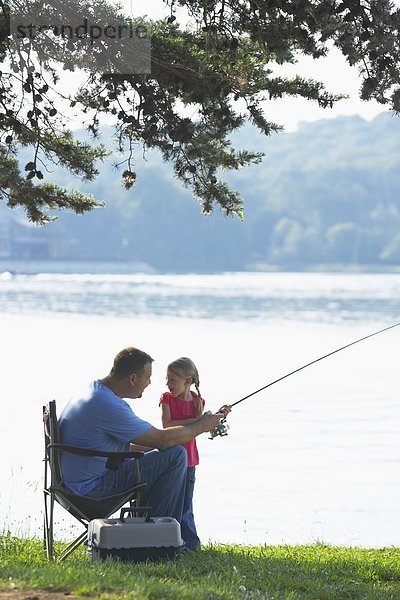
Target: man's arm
(180, 434)
(137, 448)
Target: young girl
(181, 406)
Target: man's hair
(129, 360)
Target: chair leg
(72, 546)
(45, 536)
(45, 523)
(48, 528)
(50, 536)
(48, 524)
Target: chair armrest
(114, 458)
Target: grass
(315, 572)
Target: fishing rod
(222, 428)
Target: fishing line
(315, 361)
(222, 428)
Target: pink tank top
(180, 410)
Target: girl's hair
(185, 367)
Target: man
(103, 420)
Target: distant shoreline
(328, 268)
(32, 266)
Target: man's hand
(210, 421)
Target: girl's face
(177, 385)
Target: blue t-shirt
(99, 420)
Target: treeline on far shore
(326, 194)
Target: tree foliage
(204, 80)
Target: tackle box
(135, 539)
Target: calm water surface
(314, 457)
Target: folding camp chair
(82, 508)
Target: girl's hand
(225, 410)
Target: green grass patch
(223, 572)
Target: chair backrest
(52, 436)
(53, 459)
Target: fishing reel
(221, 430)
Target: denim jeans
(188, 526)
(165, 474)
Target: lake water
(315, 457)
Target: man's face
(142, 381)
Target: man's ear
(132, 378)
